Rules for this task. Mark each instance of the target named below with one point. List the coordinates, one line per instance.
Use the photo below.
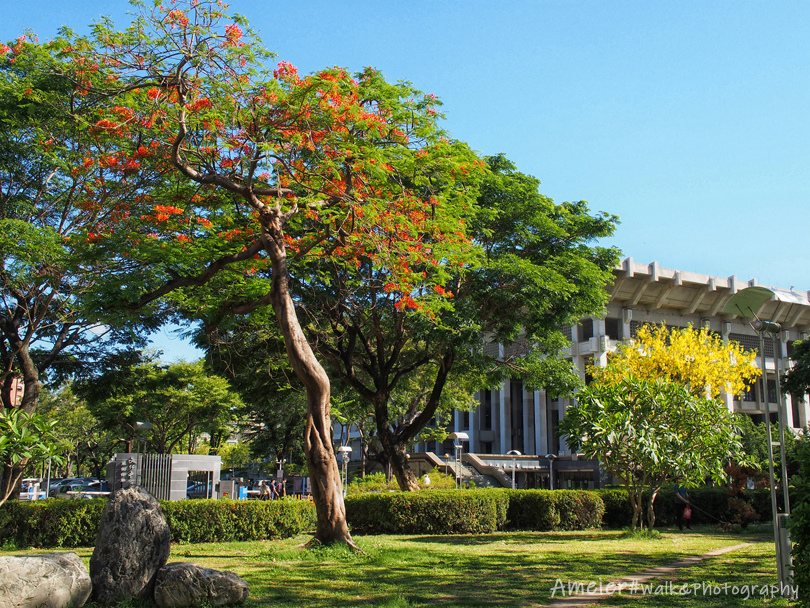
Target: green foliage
(710, 506)
(649, 432)
(796, 380)
(554, 510)
(800, 524)
(198, 521)
(435, 512)
(473, 511)
(24, 437)
(74, 523)
(180, 400)
(51, 523)
(377, 482)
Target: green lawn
(510, 569)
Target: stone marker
(53, 580)
(184, 584)
(132, 545)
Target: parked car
(78, 489)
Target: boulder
(53, 580)
(185, 584)
(132, 545)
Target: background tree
(650, 432)
(654, 413)
(180, 400)
(697, 359)
(25, 437)
(534, 269)
(83, 442)
(46, 183)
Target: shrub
(74, 523)
(51, 523)
(800, 523)
(432, 512)
(471, 512)
(205, 521)
(554, 510)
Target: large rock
(53, 580)
(185, 584)
(132, 545)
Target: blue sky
(688, 120)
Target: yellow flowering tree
(654, 413)
(695, 358)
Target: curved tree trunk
(398, 461)
(327, 490)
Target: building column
(540, 421)
(503, 423)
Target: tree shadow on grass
(517, 538)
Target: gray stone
(132, 545)
(53, 580)
(184, 584)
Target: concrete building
(513, 418)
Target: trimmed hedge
(51, 523)
(74, 523)
(710, 505)
(206, 521)
(427, 512)
(554, 510)
(473, 511)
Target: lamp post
(513, 453)
(551, 458)
(280, 469)
(458, 437)
(446, 463)
(747, 303)
(344, 452)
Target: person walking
(264, 490)
(681, 506)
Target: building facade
(514, 418)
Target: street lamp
(513, 453)
(344, 452)
(551, 458)
(458, 437)
(746, 303)
(446, 463)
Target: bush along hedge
(206, 521)
(472, 511)
(709, 506)
(74, 523)
(554, 510)
(427, 512)
(50, 523)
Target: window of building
(752, 343)
(585, 329)
(588, 366)
(749, 394)
(613, 328)
(486, 409)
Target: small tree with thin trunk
(654, 413)
(650, 432)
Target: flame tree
(252, 173)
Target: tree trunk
(327, 490)
(398, 462)
(651, 509)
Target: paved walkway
(634, 581)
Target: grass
(509, 569)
